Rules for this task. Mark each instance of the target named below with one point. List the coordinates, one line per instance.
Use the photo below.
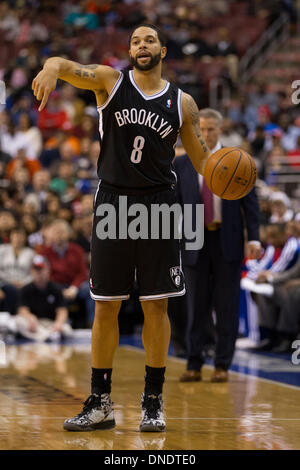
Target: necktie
(207, 198)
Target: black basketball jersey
(138, 134)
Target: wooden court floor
(42, 384)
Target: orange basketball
(230, 173)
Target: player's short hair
(211, 113)
(161, 36)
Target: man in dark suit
(212, 274)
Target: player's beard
(155, 59)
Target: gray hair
(62, 223)
(211, 113)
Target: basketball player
(140, 116)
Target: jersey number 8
(138, 145)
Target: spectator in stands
(65, 177)
(21, 179)
(42, 309)
(294, 156)
(83, 228)
(72, 104)
(279, 314)
(195, 46)
(7, 224)
(68, 266)
(281, 253)
(80, 18)
(12, 141)
(225, 47)
(66, 213)
(52, 204)
(290, 132)
(23, 105)
(229, 137)
(87, 128)
(240, 111)
(9, 21)
(15, 263)
(261, 97)
(31, 134)
(264, 119)
(31, 205)
(21, 161)
(87, 201)
(52, 117)
(51, 152)
(41, 238)
(274, 163)
(85, 164)
(40, 185)
(280, 208)
(30, 224)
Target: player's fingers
(36, 89)
(44, 100)
(33, 84)
(40, 93)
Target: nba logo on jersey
(175, 274)
(169, 103)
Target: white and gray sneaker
(97, 413)
(153, 419)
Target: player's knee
(106, 310)
(155, 307)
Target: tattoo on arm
(194, 113)
(83, 70)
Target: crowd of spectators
(48, 160)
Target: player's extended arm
(90, 77)
(190, 134)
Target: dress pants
(212, 283)
(281, 312)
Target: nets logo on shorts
(175, 274)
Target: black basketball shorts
(126, 247)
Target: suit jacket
(235, 214)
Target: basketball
(230, 173)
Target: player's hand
(43, 84)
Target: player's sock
(101, 381)
(154, 380)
